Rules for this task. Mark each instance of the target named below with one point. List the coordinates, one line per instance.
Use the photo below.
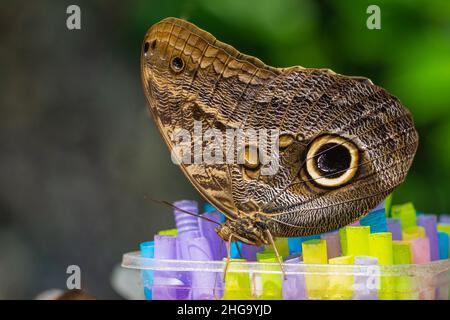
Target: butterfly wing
(215, 86)
(200, 88)
(334, 117)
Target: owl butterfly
(344, 142)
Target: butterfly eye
(332, 161)
(177, 64)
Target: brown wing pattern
(225, 89)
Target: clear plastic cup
(249, 280)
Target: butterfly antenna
(166, 203)
(276, 254)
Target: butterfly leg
(228, 257)
(276, 253)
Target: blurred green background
(79, 151)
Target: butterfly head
(248, 230)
